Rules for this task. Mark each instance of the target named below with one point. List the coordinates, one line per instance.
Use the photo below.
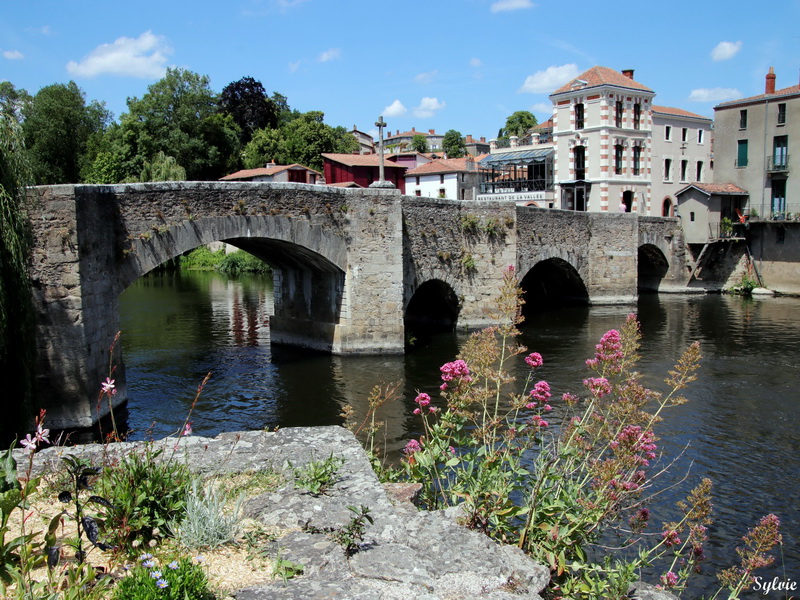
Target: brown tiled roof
(359, 160)
(677, 112)
(789, 91)
(716, 188)
(412, 134)
(443, 165)
(545, 124)
(597, 76)
(250, 173)
(344, 184)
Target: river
(740, 426)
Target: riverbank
(404, 552)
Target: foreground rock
(405, 552)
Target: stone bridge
(352, 268)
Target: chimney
(628, 73)
(413, 130)
(769, 87)
(469, 139)
(432, 131)
(483, 139)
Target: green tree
(302, 141)
(58, 127)
(13, 100)
(178, 116)
(453, 144)
(162, 168)
(419, 143)
(17, 330)
(518, 124)
(250, 106)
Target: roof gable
(599, 76)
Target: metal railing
(778, 164)
(783, 211)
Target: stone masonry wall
(464, 244)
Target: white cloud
(330, 54)
(293, 66)
(426, 77)
(476, 63)
(427, 107)
(714, 94)
(506, 5)
(542, 108)
(544, 82)
(395, 109)
(145, 57)
(13, 54)
(725, 50)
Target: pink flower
(534, 359)
(28, 443)
(417, 411)
(670, 538)
(455, 369)
(598, 386)
(539, 421)
(187, 429)
(609, 350)
(108, 386)
(423, 400)
(669, 579)
(42, 434)
(541, 391)
(411, 447)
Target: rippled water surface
(740, 426)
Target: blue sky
(433, 64)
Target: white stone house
(454, 178)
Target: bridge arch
(433, 307)
(652, 267)
(552, 282)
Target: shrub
(491, 450)
(145, 494)
(202, 258)
(205, 523)
(242, 262)
(470, 223)
(318, 476)
(151, 579)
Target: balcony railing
(778, 211)
(778, 164)
(514, 185)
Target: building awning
(521, 157)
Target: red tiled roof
(545, 124)
(597, 76)
(677, 112)
(359, 160)
(789, 91)
(412, 134)
(715, 188)
(443, 165)
(250, 173)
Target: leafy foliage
(205, 523)
(178, 116)
(317, 476)
(81, 474)
(419, 143)
(251, 108)
(17, 329)
(179, 579)
(453, 144)
(242, 262)
(518, 124)
(146, 492)
(58, 126)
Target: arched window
(667, 208)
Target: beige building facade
(757, 147)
